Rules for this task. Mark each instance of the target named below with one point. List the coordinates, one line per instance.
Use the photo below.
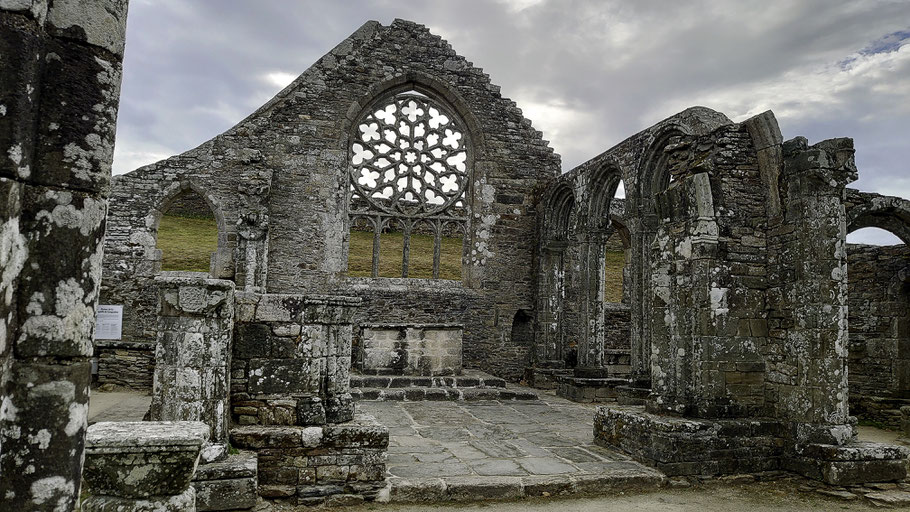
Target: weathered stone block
(183, 502)
(280, 377)
(142, 459)
(252, 341)
(232, 494)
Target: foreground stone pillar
(142, 466)
(59, 90)
(813, 290)
(193, 355)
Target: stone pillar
(689, 304)
(59, 92)
(193, 354)
(550, 305)
(813, 278)
(142, 466)
(591, 362)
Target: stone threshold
(417, 394)
(481, 488)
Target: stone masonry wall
(125, 364)
(879, 350)
(291, 360)
(285, 230)
(59, 93)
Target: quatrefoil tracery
(409, 157)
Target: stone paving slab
(117, 406)
(491, 449)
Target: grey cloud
(594, 71)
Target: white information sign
(109, 322)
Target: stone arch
(424, 84)
(602, 190)
(653, 175)
(223, 261)
(888, 213)
(879, 307)
(559, 213)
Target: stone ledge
(145, 436)
(240, 465)
(179, 503)
(418, 394)
(477, 488)
(363, 432)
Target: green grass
(187, 243)
(420, 263)
(615, 261)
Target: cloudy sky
(588, 73)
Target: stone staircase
(470, 385)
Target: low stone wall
(878, 409)
(410, 349)
(333, 464)
(291, 360)
(128, 364)
(681, 446)
(678, 446)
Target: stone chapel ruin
(745, 335)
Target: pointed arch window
(409, 167)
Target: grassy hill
(187, 243)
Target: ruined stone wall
(292, 360)
(288, 231)
(879, 350)
(807, 293)
(59, 92)
(577, 310)
(708, 321)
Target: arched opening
(522, 329)
(410, 166)
(187, 233)
(878, 320)
(654, 178)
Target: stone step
(632, 395)
(474, 380)
(415, 394)
(230, 484)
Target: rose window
(408, 167)
(408, 157)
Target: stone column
(550, 306)
(193, 355)
(591, 339)
(813, 270)
(59, 92)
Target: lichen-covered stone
(192, 371)
(142, 459)
(183, 502)
(59, 93)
